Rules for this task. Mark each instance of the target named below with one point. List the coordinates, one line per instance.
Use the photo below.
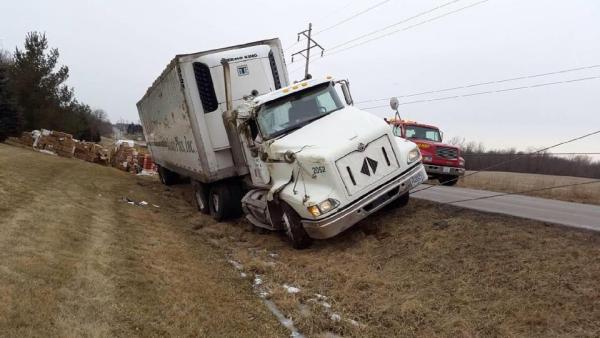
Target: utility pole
(310, 43)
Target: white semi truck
(292, 157)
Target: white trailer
(182, 111)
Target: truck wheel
(225, 201)
(167, 177)
(294, 229)
(448, 180)
(201, 197)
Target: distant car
(442, 161)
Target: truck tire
(448, 180)
(201, 196)
(167, 177)
(293, 228)
(225, 201)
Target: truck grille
(368, 165)
(447, 153)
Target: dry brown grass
(514, 182)
(429, 271)
(77, 261)
(425, 270)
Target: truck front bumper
(433, 169)
(368, 204)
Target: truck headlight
(323, 207)
(413, 155)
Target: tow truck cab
(442, 161)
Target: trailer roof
(274, 42)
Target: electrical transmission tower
(309, 45)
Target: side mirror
(441, 136)
(346, 91)
(394, 103)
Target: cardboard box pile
(91, 152)
(126, 156)
(62, 144)
(27, 139)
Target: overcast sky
(115, 49)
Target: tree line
(33, 95)
(478, 158)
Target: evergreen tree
(11, 120)
(39, 87)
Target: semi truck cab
(318, 165)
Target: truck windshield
(423, 133)
(297, 109)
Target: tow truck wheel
(294, 229)
(224, 201)
(201, 197)
(448, 180)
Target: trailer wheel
(167, 177)
(201, 197)
(225, 201)
(293, 228)
(448, 180)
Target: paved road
(576, 215)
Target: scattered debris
(48, 152)
(146, 172)
(235, 264)
(132, 202)
(335, 317)
(257, 280)
(320, 297)
(291, 289)
(273, 255)
(156, 206)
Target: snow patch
(291, 289)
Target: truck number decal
(318, 170)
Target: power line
(407, 28)
(404, 29)
(342, 21)
(394, 24)
(490, 92)
(487, 83)
(519, 156)
(353, 16)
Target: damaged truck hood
(331, 136)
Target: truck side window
(208, 97)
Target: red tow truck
(442, 161)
